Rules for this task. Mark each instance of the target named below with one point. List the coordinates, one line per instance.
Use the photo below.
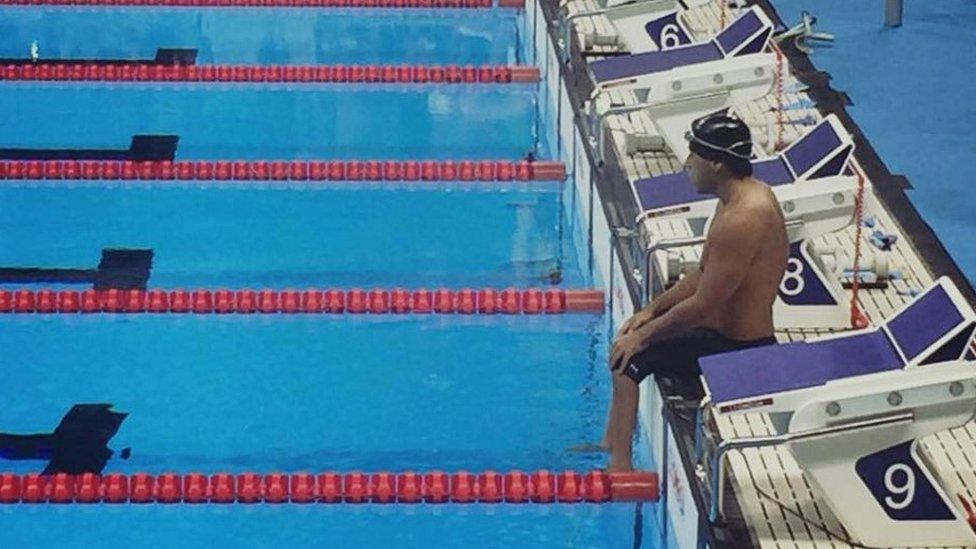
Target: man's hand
(624, 350)
(636, 321)
(663, 303)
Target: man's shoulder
(760, 199)
(755, 209)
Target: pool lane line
(142, 147)
(263, 74)
(332, 487)
(78, 444)
(423, 4)
(284, 170)
(509, 301)
(164, 56)
(118, 268)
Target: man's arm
(680, 291)
(733, 247)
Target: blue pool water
(282, 392)
(246, 121)
(501, 526)
(912, 93)
(281, 238)
(265, 36)
(299, 393)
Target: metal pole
(650, 265)
(893, 12)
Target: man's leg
(605, 441)
(620, 428)
(676, 356)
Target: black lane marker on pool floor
(164, 56)
(119, 268)
(142, 148)
(639, 525)
(78, 445)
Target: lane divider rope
(517, 4)
(329, 301)
(144, 72)
(284, 170)
(332, 487)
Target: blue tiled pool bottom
(280, 122)
(311, 393)
(267, 36)
(291, 393)
(209, 394)
(184, 526)
(236, 238)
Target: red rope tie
(858, 318)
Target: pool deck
(773, 470)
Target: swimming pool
(294, 238)
(295, 392)
(266, 35)
(369, 393)
(244, 121)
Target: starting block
(810, 181)
(851, 409)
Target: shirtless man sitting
(724, 306)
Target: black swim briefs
(678, 357)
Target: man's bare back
(747, 314)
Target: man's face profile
(701, 172)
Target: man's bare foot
(588, 448)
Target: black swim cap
(724, 139)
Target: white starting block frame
(851, 409)
(629, 17)
(646, 26)
(749, 34)
(616, 11)
(820, 201)
(683, 89)
(810, 294)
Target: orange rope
(721, 9)
(779, 98)
(858, 319)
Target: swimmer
(725, 305)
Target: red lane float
(312, 301)
(435, 487)
(582, 300)
(292, 170)
(386, 74)
(634, 486)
